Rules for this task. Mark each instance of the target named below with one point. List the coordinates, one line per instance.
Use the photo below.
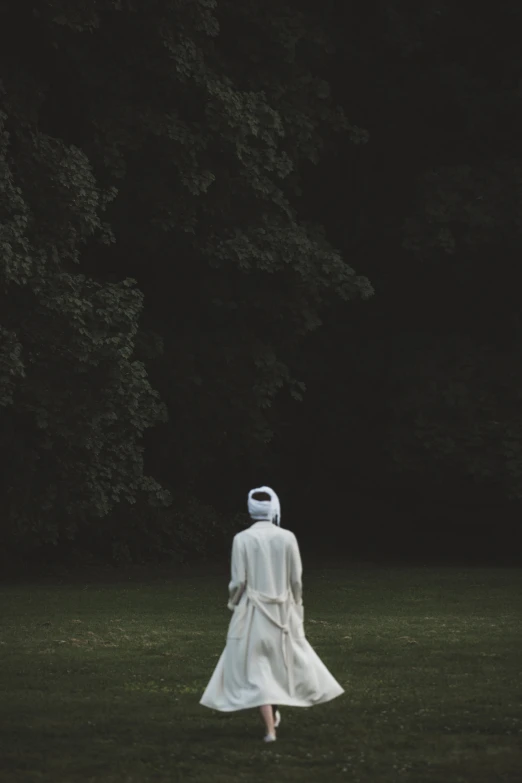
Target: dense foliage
(155, 151)
(184, 200)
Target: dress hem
(281, 702)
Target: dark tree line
(193, 201)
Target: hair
(261, 496)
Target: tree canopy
(193, 201)
(154, 153)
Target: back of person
(268, 551)
(267, 660)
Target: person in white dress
(267, 660)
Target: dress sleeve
(296, 571)
(238, 574)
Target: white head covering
(264, 509)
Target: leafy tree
(187, 128)
(206, 141)
(74, 402)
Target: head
(263, 503)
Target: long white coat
(267, 658)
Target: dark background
(405, 445)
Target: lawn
(100, 681)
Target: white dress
(267, 658)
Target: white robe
(267, 658)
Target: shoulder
(248, 533)
(287, 536)
(288, 533)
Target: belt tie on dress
(259, 599)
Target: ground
(101, 678)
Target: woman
(267, 659)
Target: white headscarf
(264, 509)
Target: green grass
(101, 682)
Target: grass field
(101, 681)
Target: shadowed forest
(260, 243)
